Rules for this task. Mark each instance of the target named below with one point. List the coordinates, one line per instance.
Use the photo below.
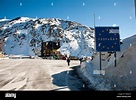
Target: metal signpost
(107, 40)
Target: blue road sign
(107, 39)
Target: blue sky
(107, 12)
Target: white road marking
(13, 85)
(1, 70)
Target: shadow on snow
(68, 79)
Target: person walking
(81, 59)
(68, 61)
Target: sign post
(100, 62)
(107, 40)
(115, 58)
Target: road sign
(107, 39)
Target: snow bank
(121, 77)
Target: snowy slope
(23, 36)
(121, 77)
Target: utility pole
(94, 33)
(94, 20)
(135, 7)
(95, 46)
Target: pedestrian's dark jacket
(68, 60)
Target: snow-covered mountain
(23, 36)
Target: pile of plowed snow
(121, 77)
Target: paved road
(38, 74)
